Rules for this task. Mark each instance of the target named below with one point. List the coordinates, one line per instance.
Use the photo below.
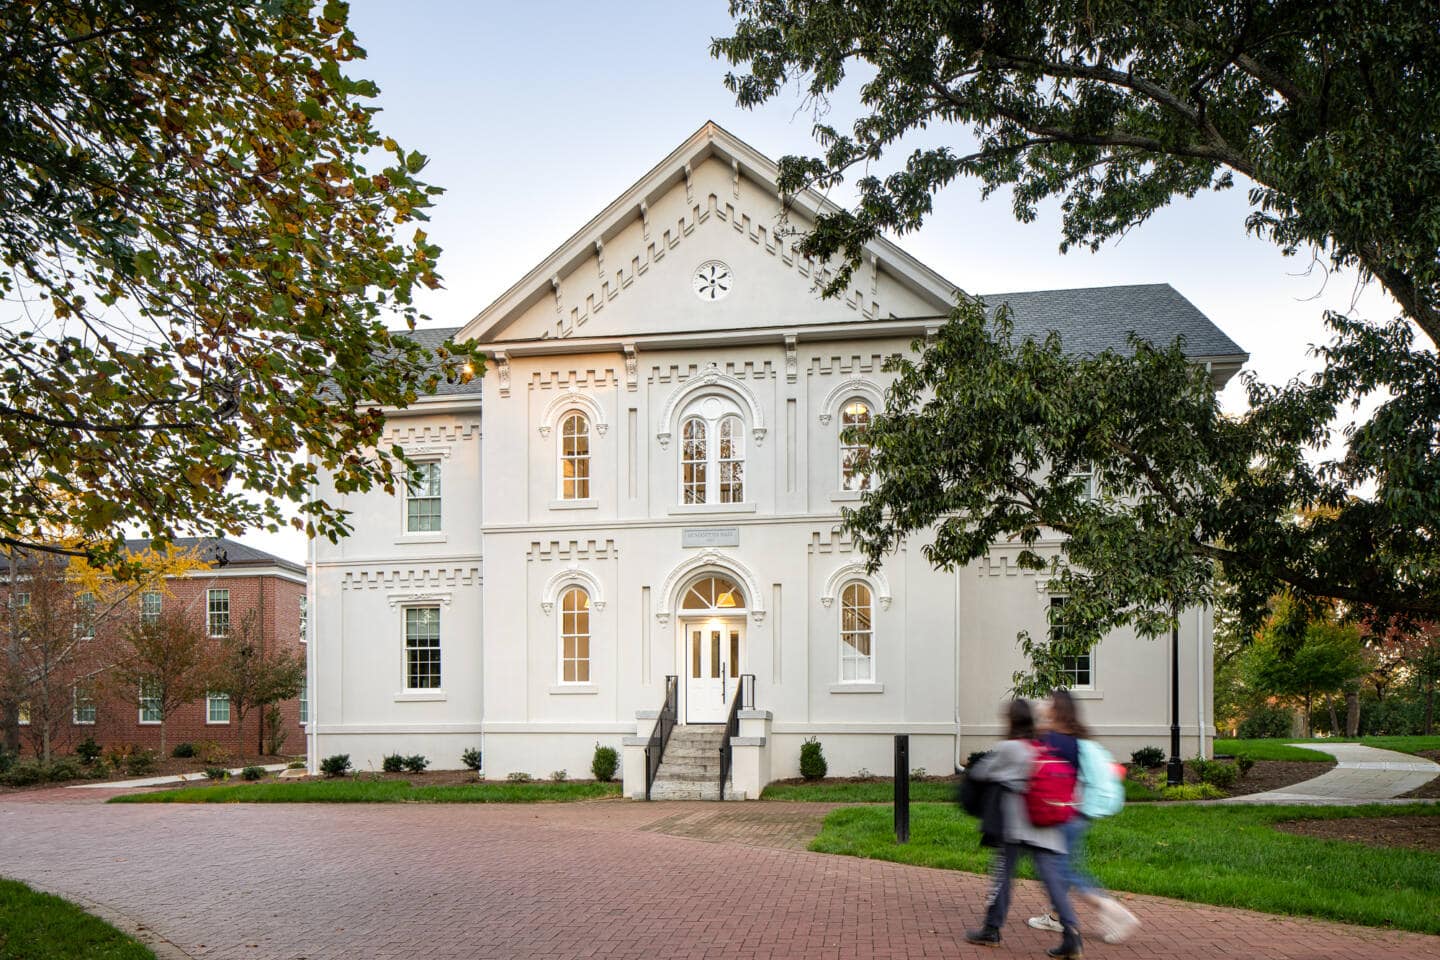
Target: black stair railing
(660, 736)
(744, 700)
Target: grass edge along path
(1280, 750)
(41, 926)
(351, 790)
(1225, 856)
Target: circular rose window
(712, 280)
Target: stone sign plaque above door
(710, 537)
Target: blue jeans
(1052, 870)
(1077, 877)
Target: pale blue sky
(536, 115)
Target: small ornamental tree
(1328, 657)
(167, 660)
(253, 675)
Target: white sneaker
(1046, 921)
(1117, 922)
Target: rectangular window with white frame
(304, 619)
(150, 712)
(151, 603)
(305, 699)
(1079, 671)
(1085, 474)
(85, 616)
(217, 709)
(422, 648)
(422, 499)
(82, 711)
(217, 612)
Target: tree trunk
(1305, 720)
(1352, 711)
(163, 720)
(1334, 718)
(1429, 706)
(260, 742)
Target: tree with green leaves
(202, 235)
(1328, 658)
(1327, 112)
(254, 675)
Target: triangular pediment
(632, 270)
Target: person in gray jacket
(1009, 766)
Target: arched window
(712, 453)
(575, 636)
(693, 461)
(854, 448)
(857, 634)
(575, 457)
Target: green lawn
(869, 791)
(37, 926)
(1230, 856)
(1277, 749)
(377, 791)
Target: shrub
(559, 776)
(392, 763)
(919, 774)
(275, 732)
(415, 763)
(64, 769)
(519, 776)
(141, 763)
(216, 773)
(210, 752)
(117, 753)
(603, 766)
(335, 766)
(24, 773)
(1193, 791)
(88, 751)
(1201, 766)
(1243, 763)
(864, 774)
(1265, 722)
(183, 751)
(471, 759)
(812, 760)
(295, 765)
(1222, 775)
(7, 760)
(253, 773)
(1151, 758)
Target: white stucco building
(647, 482)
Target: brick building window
(82, 711)
(304, 619)
(217, 708)
(422, 648)
(422, 499)
(85, 616)
(217, 610)
(150, 605)
(149, 705)
(305, 699)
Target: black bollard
(902, 788)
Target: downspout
(1200, 646)
(312, 622)
(959, 729)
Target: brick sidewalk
(354, 882)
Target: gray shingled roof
(430, 339)
(1092, 319)
(224, 552)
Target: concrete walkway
(1363, 775)
(163, 781)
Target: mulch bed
(1416, 833)
(1265, 775)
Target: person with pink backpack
(1038, 797)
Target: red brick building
(240, 582)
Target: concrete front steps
(690, 769)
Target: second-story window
(712, 453)
(304, 619)
(575, 457)
(422, 499)
(854, 449)
(217, 612)
(151, 603)
(85, 616)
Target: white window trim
(1088, 688)
(407, 692)
(146, 618)
(229, 623)
(423, 536)
(559, 599)
(228, 715)
(75, 709)
(840, 638)
(140, 713)
(841, 446)
(713, 460)
(560, 457)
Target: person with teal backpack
(1102, 794)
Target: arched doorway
(712, 630)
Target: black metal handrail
(660, 736)
(744, 700)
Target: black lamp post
(1175, 769)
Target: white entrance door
(712, 668)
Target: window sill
(692, 509)
(847, 496)
(1087, 693)
(82, 723)
(573, 689)
(589, 503)
(420, 696)
(405, 538)
(217, 723)
(857, 687)
(143, 723)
